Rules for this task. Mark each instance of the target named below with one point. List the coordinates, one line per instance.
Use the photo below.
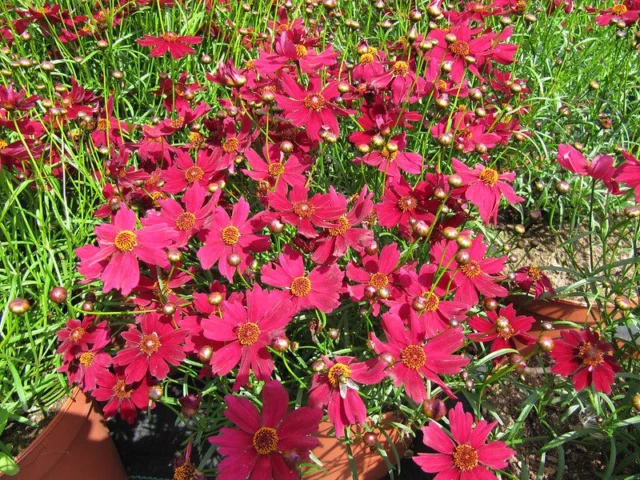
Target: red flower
(120, 246)
(485, 188)
(467, 456)
(270, 445)
(477, 276)
(151, 349)
(170, 42)
(319, 289)
(391, 159)
(416, 361)
(401, 79)
(600, 168)
(334, 242)
(185, 172)
(337, 389)
(311, 108)
(289, 171)
(247, 332)
(401, 203)
(502, 328)
(88, 366)
(230, 240)
(583, 355)
(531, 277)
(629, 173)
(627, 12)
(300, 211)
(77, 335)
(120, 396)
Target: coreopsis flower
(465, 454)
(272, 442)
(183, 469)
(13, 100)
(530, 277)
(391, 159)
(425, 305)
(417, 361)
(303, 212)
(337, 389)
(627, 12)
(600, 168)
(629, 173)
(77, 335)
(485, 188)
(150, 349)
(370, 64)
(401, 203)
(176, 45)
(334, 242)
(231, 240)
(377, 272)
(502, 328)
(177, 93)
(478, 275)
(289, 171)
(247, 331)
(581, 354)
(186, 172)
(195, 216)
(317, 289)
(109, 129)
(311, 108)
(234, 142)
(120, 396)
(401, 79)
(120, 246)
(87, 366)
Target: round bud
(463, 241)
(215, 298)
(463, 257)
(623, 303)
(450, 233)
(450, 38)
(519, 228)
(434, 408)
(490, 304)
(205, 353)
(58, 295)
(333, 333)
(206, 59)
(276, 226)
(317, 366)
(419, 304)
(453, 323)
(87, 306)
(294, 346)
(594, 85)
(439, 193)
(280, 344)
(234, 259)
(363, 148)
(384, 293)
(370, 292)
(632, 211)
(475, 94)
(530, 18)
(481, 112)
(18, 306)
(155, 392)
(286, 147)
(392, 147)
(502, 322)
(343, 87)
(469, 384)
(371, 248)
(433, 11)
(546, 344)
(421, 229)
(102, 44)
(174, 256)
(415, 15)
(370, 439)
(563, 187)
(446, 67)
(455, 180)
(377, 140)
(511, 276)
(387, 358)
(329, 4)
(268, 97)
(445, 140)
(636, 401)
(168, 309)
(442, 101)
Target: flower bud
(234, 259)
(387, 358)
(371, 248)
(190, 405)
(334, 334)
(318, 366)
(434, 408)
(623, 303)
(168, 309)
(463, 257)
(546, 344)
(280, 344)
(155, 392)
(174, 256)
(205, 353)
(455, 180)
(58, 295)
(18, 306)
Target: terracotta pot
(369, 464)
(76, 444)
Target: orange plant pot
(76, 444)
(369, 464)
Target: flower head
(176, 45)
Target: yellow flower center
(196, 139)
(121, 390)
(301, 287)
(460, 48)
(431, 301)
(378, 280)
(184, 472)
(314, 101)
(619, 9)
(407, 203)
(489, 176)
(248, 333)
(534, 273)
(103, 124)
(169, 37)
(303, 209)
(76, 334)
(230, 235)
(150, 344)
(185, 221)
(441, 85)
(367, 58)
(413, 357)
(301, 51)
(177, 122)
(193, 174)
(400, 69)
(465, 457)
(471, 269)
(341, 229)
(231, 145)
(591, 355)
(86, 358)
(3, 144)
(265, 440)
(391, 156)
(276, 169)
(338, 373)
(125, 241)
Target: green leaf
(8, 465)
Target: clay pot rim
(66, 406)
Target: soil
(21, 435)
(542, 247)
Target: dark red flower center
(460, 48)
(378, 280)
(303, 209)
(471, 269)
(400, 69)
(86, 358)
(248, 333)
(619, 9)
(193, 174)
(314, 101)
(76, 334)
(465, 457)
(231, 145)
(265, 440)
(185, 221)
(413, 357)
(489, 176)
(301, 51)
(341, 229)
(407, 203)
(121, 390)
(125, 241)
(301, 287)
(431, 301)
(591, 355)
(170, 37)
(534, 273)
(275, 169)
(230, 235)
(150, 343)
(338, 373)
